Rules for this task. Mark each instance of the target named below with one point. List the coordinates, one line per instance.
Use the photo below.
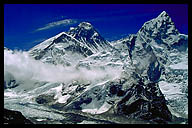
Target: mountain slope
(67, 48)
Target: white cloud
(57, 23)
(25, 68)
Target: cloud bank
(25, 68)
(57, 23)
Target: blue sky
(26, 25)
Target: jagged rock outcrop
(145, 102)
(14, 117)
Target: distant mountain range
(146, 75)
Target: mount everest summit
(142, 78)
(78, 43)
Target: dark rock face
(64, 38)
(154, 72)
(86, 33)
(44, 99)
(14, 117)
(145, 102)
(115, 88)
(182, 44)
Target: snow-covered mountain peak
(163, 14)
(162, 21)
(164, 17)
(85, 25)
(82, 41)
(88, 35)
(83, 29)
(161, 29)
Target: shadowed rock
(14, 117)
